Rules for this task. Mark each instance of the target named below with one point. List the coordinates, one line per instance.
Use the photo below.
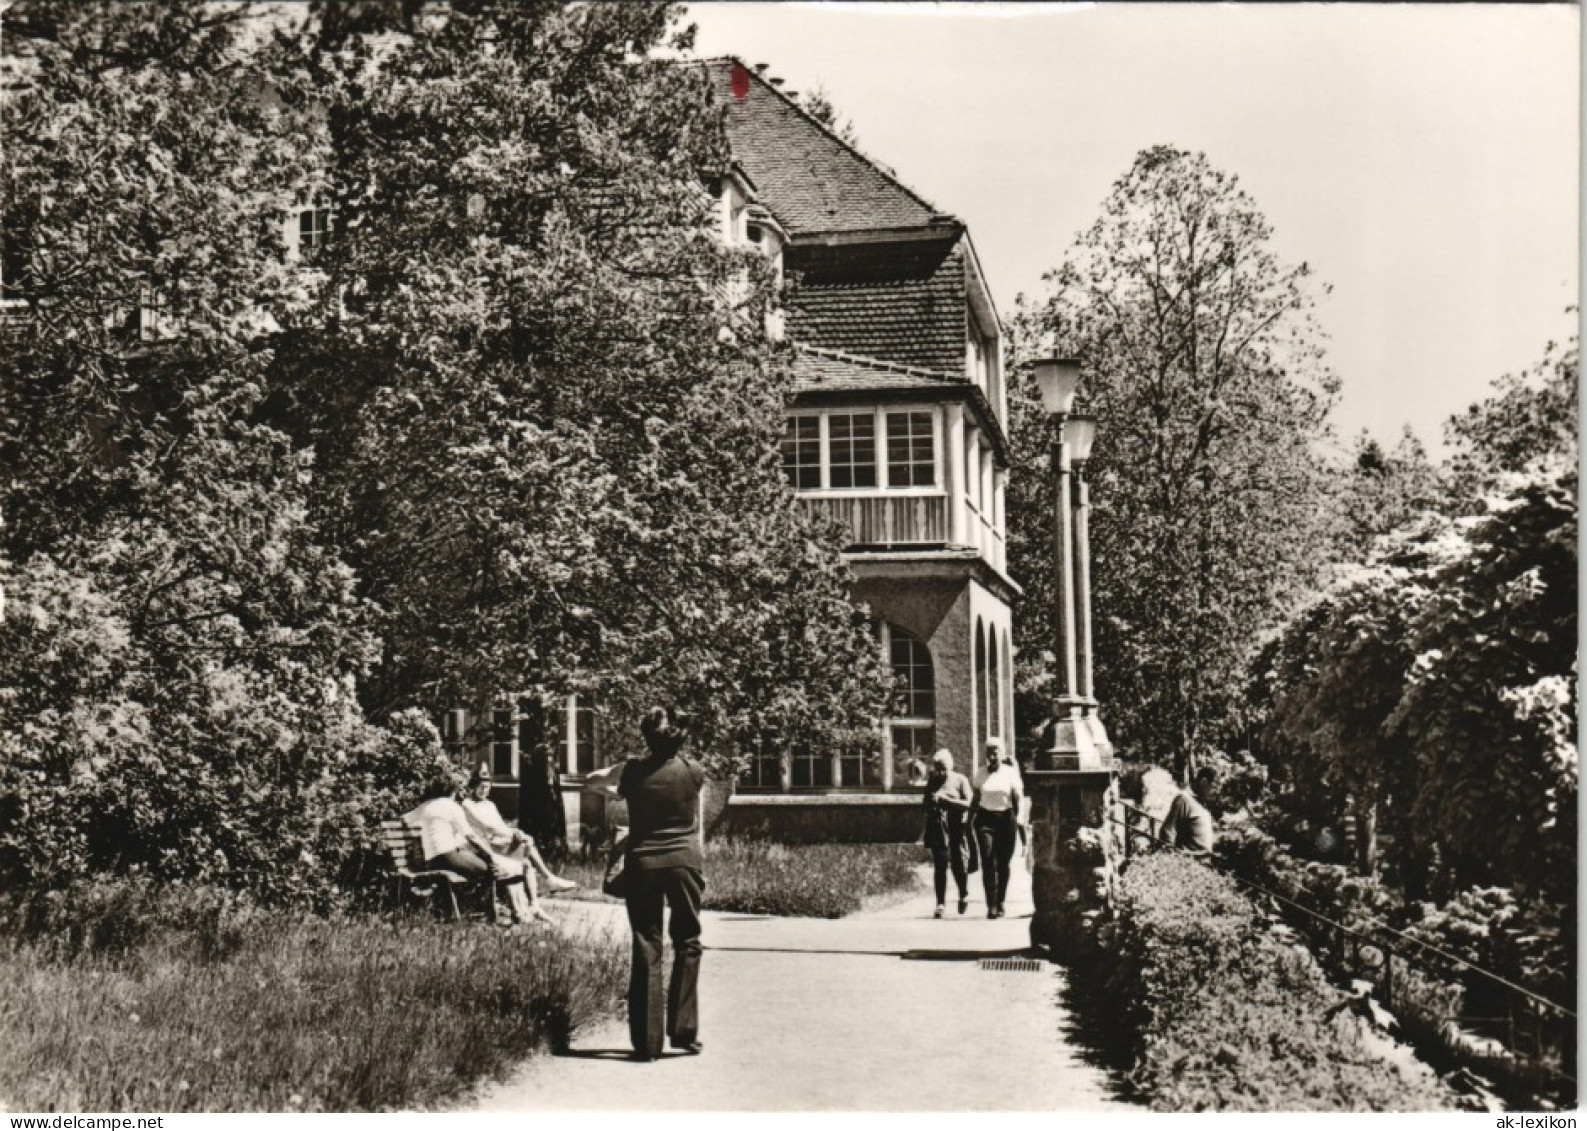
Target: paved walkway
(888, 1010)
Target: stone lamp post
(1072, 849)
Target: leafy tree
(179, 658)
(1436, 687)
(1528, 416)
(545, 407)
(1385, 490)
(1203, 364)
(511, 428)
(818, 104)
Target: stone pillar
(1074, 852)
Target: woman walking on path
(947, 802)
(995, 820)
(664, 869)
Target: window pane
(860, 771)
(584, 737)
(912, 670)
(911, 450)
(812, 771)
(801, 452)
(764, 771)
(851, 438)
(912, 747)
(501, 744)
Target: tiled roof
(900, 302)
(817, 369)
(810, 179)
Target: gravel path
(841, 1015)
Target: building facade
(896, 433)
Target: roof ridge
(872, 362)
(870, 161)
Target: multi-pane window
(875, 448)
(860, 769)
(503, 750)
(912, 746)
(581, 736)
(764, 771)
(314, 228)
(811, 770)
(801, 452)
(912, 726)
(851, 445)
(454, 733)
(911, 450)
(914, 694)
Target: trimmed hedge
(1221, 1015)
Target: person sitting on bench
(448, 843)
(504, 840)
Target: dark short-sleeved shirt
(1188, 825)
(663, 796)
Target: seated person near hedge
(1188, 824)
(504, 840)
(448, 843)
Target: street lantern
(1057, 378)
(1079, 431)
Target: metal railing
(1543, 1035)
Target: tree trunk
(540, 811)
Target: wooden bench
(409, 876)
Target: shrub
(1222, 1015)
(819, 881)
(228, 762)
(179, 998)
(1528, 941)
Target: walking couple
(973, 826)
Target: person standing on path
(665, 869)
(947, 802)
(994, 818)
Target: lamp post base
(1073, 849)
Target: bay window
(863, 450)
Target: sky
(1422, 158)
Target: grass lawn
(192, 1001)
(819, 881)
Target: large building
(896, 430)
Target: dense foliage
(1439, 988)
(127, 996)
(1223, 1015)
(1433, 689)
(505, 422)
(1201, 360)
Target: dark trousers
(996, 834)
(950, 855)
(649, 893)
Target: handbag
(615, 882)
(972, 847)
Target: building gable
(809, 178)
